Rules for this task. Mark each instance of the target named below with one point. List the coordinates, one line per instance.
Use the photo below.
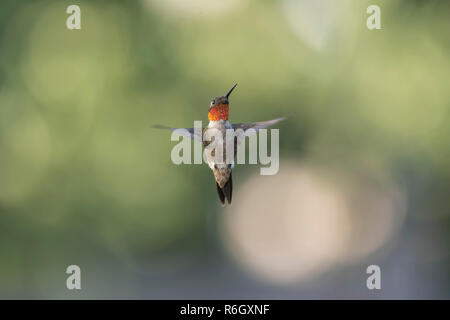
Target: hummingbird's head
(218, 109)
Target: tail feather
(228, 189)
(221, 194)
(225, 192)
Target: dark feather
(228, 189)
(256, 125)
(221, 194)
(188, 132)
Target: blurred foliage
(83, 176)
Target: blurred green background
(365, 161)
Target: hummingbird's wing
(188, 132)
(255, 125)
(246, 127)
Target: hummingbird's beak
(231, 90)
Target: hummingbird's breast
(217, 128)
(221, 124)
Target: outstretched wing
(188, 132)
(251, 128)
(255, 125)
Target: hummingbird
(218, 120)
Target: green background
(86, 180)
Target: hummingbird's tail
(226, 191)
